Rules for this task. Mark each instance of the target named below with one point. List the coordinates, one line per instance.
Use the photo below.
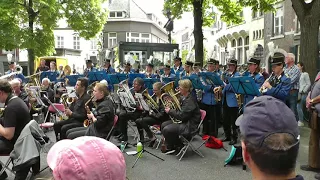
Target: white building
(236, 40)
(76, 49)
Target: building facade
(243, 40)
(127, 22)
(75, 48)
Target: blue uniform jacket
(110, 70)
(281, 88)
(228, 92)
(259, 80)
(177, 73)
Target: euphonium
(35, 79)
(169, 99)
(149, 100)
(90, 87)
(87, 122)
(239, 99)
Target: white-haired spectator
(18, 91)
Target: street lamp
(169, 25)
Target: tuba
(149, 100)
(124, 88)
(87, 122)
(170, 99)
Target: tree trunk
(197, 32)
(309, 51)
(31, 55)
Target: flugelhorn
(87, 122)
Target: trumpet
(87, 122)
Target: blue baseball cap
(264, 116)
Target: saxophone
(87, 122)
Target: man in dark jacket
(189, 117)
(15, 117)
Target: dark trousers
(124, 117)
(292, 101)
(314, 149)
(5, 148)
(230, 115)
(76, 132)
(171, 132)
(143, 123)
(210, 123)
(63, 126)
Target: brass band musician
(167, 72)
(102, 116)
(149, 71)
(230, 105)
(138, 87)
(76, 113)
(254, 72)
(156, 116)
(279, 84)
(189, 115)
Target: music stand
(131, 77)
(114, 79)
(144, 107)
(195, 80)
(244, 86)
(73, 79)
(168, 79)
(96, 76)
(213, 77)
(148, 83)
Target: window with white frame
(94, 44)
(240, 50)
(76, 42)
(145, 38)
(112, 39)
(60, 42)
(278, 22)
(116, 14)
(138, 37)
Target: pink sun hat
(86, 158)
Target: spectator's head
(86, 157)
(43, 63)
(53, 65)
(89, 63)
(185, 86)
(45, 82)
(290, 59)
(301, 67)
(5, 90)
(269, 138)
(60, 67)
(81, 85)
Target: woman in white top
(304, 86)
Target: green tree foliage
(184, 56)
(29, 24)
(204, 15)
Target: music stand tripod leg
(141, 152)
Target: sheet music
(142, 101)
